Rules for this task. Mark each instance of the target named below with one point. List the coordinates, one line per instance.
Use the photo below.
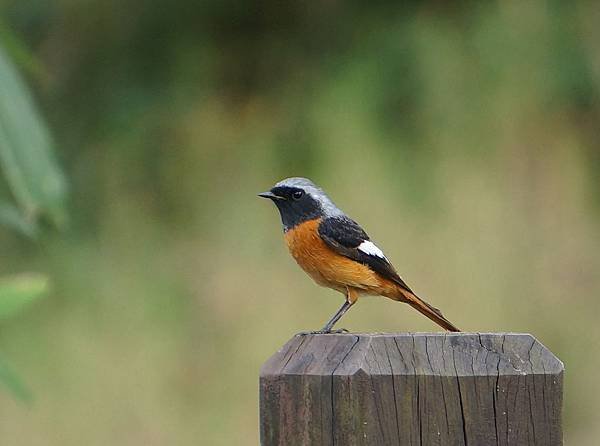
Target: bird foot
(338, 331)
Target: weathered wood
(412, 389)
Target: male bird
(336, 252)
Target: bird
(337, 253)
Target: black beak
(270, 195)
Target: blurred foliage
(36, 185)
(26, 158)
(12, 380)
(464, 136)
(18, 292)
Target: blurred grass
(464, 138)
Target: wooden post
(464, 389)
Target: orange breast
(329, 268)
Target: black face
(295, 205)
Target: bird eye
(297, 195)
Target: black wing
(344, 236)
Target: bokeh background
(465, 137)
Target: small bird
(336, 252)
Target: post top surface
(458, 354)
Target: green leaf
(20, 53)
(13, 382)
(26, 151)
(11, 217)
(18, 292)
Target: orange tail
(431, 312)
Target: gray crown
(329, 208)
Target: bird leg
(350, 299)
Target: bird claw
(338, 331)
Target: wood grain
(412, 389)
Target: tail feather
(431, 312)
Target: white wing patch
(371, 249)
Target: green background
(464, 137)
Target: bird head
(300, 200)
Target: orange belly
(330, 269)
